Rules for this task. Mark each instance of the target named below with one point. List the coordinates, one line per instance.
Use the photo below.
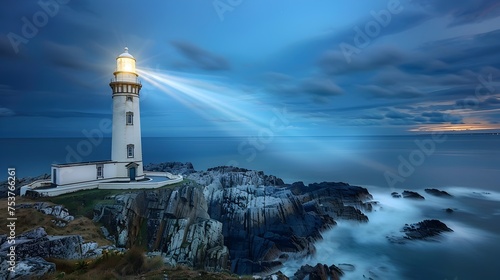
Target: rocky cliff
(229, 217)
(266, 221)
(174, 222)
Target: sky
(253, 67)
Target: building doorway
(131, 173)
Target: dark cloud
(320, 87)
(201, 58)
(66, 56)
(334, 62)
(466, 52)
(6, 112)
(398, 115)
(276, 77)
(6, 49)
(462, 11)
(399, 92)
(372, 117)
(439, 117)
(477, 104)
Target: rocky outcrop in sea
(439, 193)
(318, 272)
(424, 230)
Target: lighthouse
(126, 147)
(125, 165)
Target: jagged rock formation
(266, 221)
(174, 222)
(437, 192)
(275, 276)
(318, 272)
(260, 219)
(412, 195)
(59, 212)
(395, 195)
(424, 230)
(28, 268)
(36, 243)
(172, 167)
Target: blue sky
(253, 67)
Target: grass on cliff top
(82, 203)
(29, 218)
(131, 265)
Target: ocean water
(467, 166)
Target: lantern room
(125, 62)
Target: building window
(119, 88)
(129, 88)
(129, 98)
(100, 171)
(130, 151)
(130, 118)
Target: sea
(465, 165)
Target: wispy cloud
(201, 58)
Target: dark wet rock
(262, 221)
(449, 210)
(171, 167)
(346, 267)
(27, 268)
(424, 230)
(58, 211)
(173, 222)
(437, 192)
(412, 195)
(396, 195)
(338, 200)
(276, 276)
(318, 272)
(252, 218)
(37, 243)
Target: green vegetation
(82, 203)
(172, 186)
(142, 237)
(130, 265)
(111, 265)
(30, 218)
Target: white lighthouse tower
(126, 147)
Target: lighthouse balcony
(133, 80)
